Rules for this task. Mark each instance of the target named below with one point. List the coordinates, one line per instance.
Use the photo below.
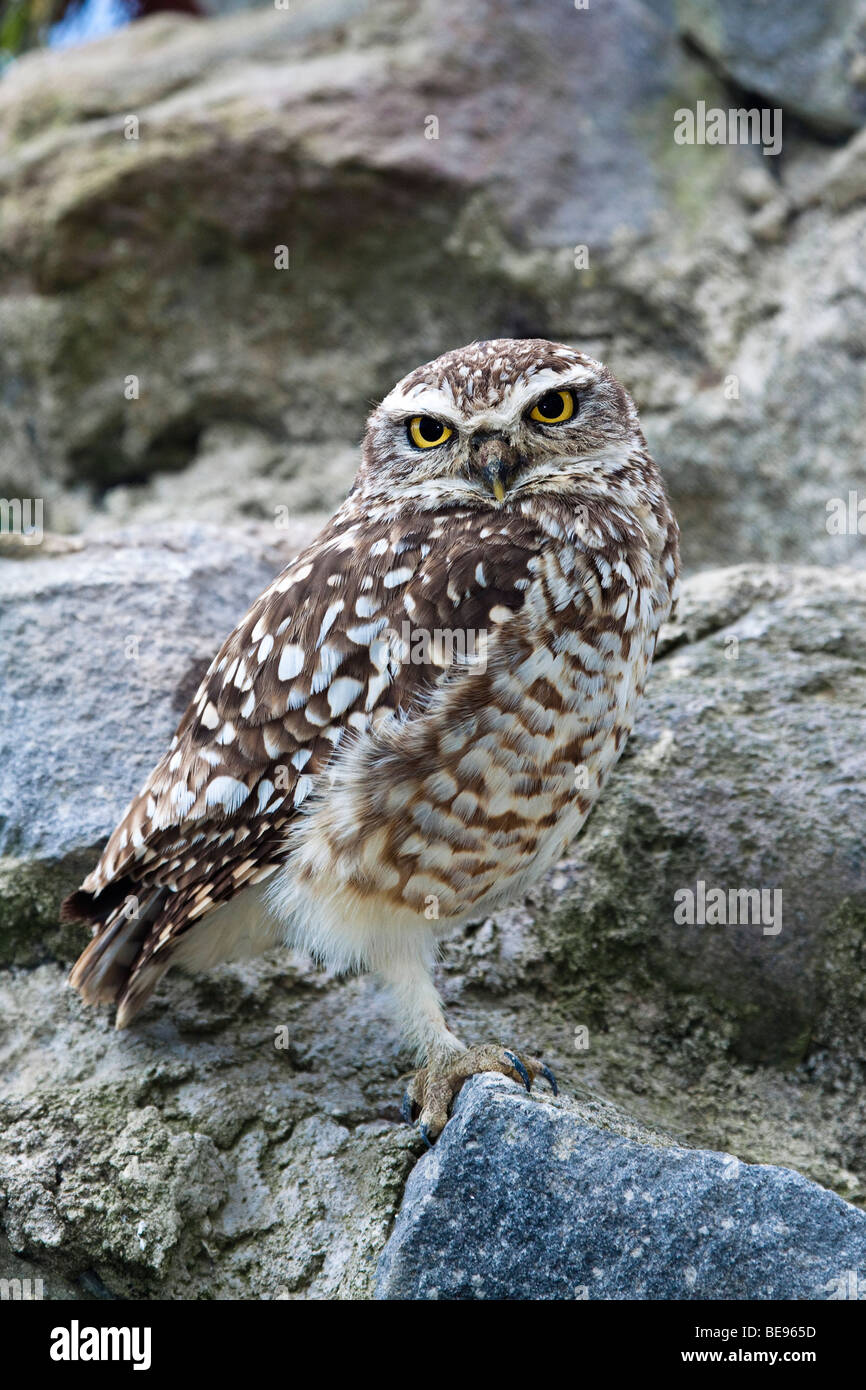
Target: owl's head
(497, 423)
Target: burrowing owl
(417, 715)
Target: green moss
(24, 24)
(30, 898)
(692, 174)
(842, 989)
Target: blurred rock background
(149, 179)
(223, 237)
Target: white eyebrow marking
(576, 376)
(505, 405)
(421, 400)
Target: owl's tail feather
(105, 971)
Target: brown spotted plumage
(417, 715)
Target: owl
(412, 722)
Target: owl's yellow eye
(553, 408)
(427, 433)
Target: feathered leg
(447, 1062)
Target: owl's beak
(495, 462)
(493, 474)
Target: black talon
(425, 1136)
(520, 1069)
(406, 1108)
(549, 1076)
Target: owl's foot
(432, 1089)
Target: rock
(843, 182)
(748, 771)
(145, 377)
(779, 392)
(308, 129)
(756, 186)
(800, 56)
(769, 223)
(526, 1199)
(192, 1158)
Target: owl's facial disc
(496, 424)
(491, 453)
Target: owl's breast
(455, 811)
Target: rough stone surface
(748, 772)
(803, 57)
(194, 1158)
(725, 288)
(526, 1199)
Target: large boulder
(529, 1199)
(803, 57)
(199, 1157)
(747, 775)
(161, 356)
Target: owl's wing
(321, 654)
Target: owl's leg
(407, 969)
(447, 1063)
